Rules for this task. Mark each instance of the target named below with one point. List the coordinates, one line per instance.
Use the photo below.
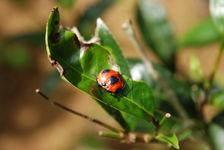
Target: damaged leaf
(80, 66)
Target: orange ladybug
(111, 81)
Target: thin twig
(214, 70)
(129, 137)
(78, 113)
(210, 81)
(165, 117)
(111, 135)
(173, 99)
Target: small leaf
(185, 135)
(217, 13)
(218, 100)
(201, 34)
(156, 30)
(196, 73)
(170, 139)
(217, 135)
(77, 62)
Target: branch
(100, 123)
(214, 70)
(210, 81)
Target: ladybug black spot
(103, 84)
(105, 71)
(113, 80)
(119, 90)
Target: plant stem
(78, 113)
(165, 117)
(111, 135)
(173, 99)
(214, 70)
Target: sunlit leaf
(78, 61)
(107, 40)
(195, 69)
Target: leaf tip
(99, 21)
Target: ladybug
(111, 81)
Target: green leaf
(170, 139)
(201, 34)
(78, 61)
(218, 100)
(196, 72)
(156, 30)
(217, 135)
(87, 20)
(217, 13)
(185, 135)
(107, 40)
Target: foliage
(143, 105)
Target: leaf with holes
(77, 61)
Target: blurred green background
(28, 123)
